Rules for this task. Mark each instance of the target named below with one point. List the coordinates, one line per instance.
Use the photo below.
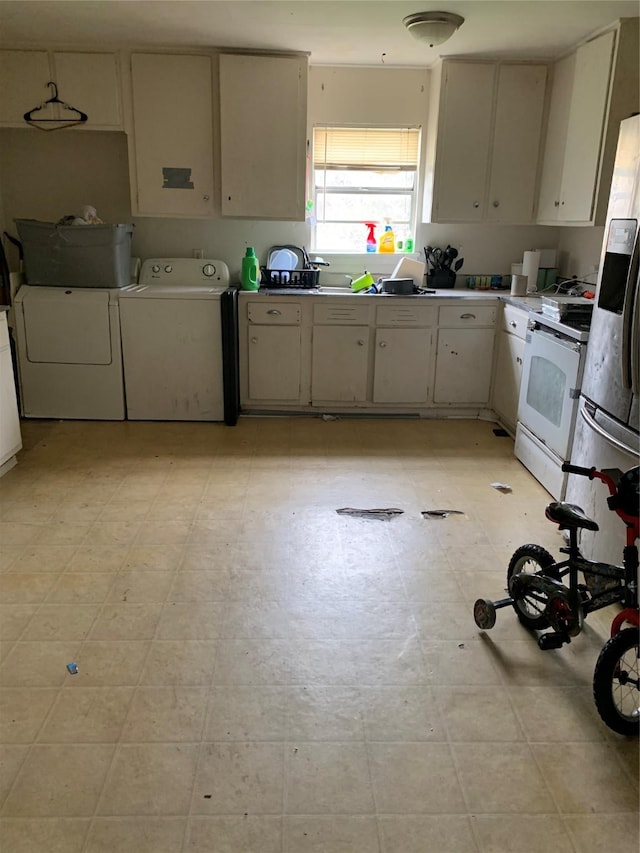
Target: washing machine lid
(67, 326)
(171, 291)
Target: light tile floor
(258, 674)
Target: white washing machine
(69, 354)
(171, 326)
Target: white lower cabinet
(464, 355)
(271, 357)
(339, 364)
(464, 358)
(367, 353)
(274, 363)
(10, 438)
(507, 374)
(401, 363)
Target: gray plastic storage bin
(75, 255)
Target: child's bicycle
(541, 599)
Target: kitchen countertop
(527, 303)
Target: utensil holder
(441, 278)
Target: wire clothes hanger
(32, 119)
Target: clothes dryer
(69, 353)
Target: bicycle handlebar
(568, 468)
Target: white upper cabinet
(89, 81)
(263, 103)
(172, 142)
(517, 136)
(556, 139)
(483, 142)
(593, 90)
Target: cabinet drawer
(404, 315)
(514, 320)
(274, 313)
(467, 315)
(338, 314)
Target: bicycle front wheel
(530, 608)
(616, 683)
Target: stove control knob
(168, 268)
(209, 270)
(155, 268)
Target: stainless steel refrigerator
(607, 425)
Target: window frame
(362, 191)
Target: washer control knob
(209, 270)
(155, 268)
(168, 268)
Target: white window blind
(366, 148)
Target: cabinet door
(340, 356)
(586, 123)
(401, 367)
(263, 136)
(463, 366)
(24, 75)
(274, 363)
(556, 140)
(464, 133)
(91, 83)
(516, 143)
(10, 438)
(507, 377)
(173, 135)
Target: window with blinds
(363, 175)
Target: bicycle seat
(569, 515)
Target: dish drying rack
(305, 275)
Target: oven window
(546, 389)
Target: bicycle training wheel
(616, 683)
(532, 560)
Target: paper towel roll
(530, 264)
(518, 285)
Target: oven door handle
(591, 422)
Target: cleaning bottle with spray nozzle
(372, 243)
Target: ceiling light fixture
(433, 27)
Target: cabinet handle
(254, 340)
(496, 204)
(518, 359)
(274, 311)
(467, 316)
(476, 204)
(513, 324)
(383, 343)
(562, 203)
(205, 197)
(360, 343)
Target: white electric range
(554, 359)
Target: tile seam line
(118, 743)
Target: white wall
(46, 176)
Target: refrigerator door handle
(591, 422)
(634, 339)
(629, 321)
